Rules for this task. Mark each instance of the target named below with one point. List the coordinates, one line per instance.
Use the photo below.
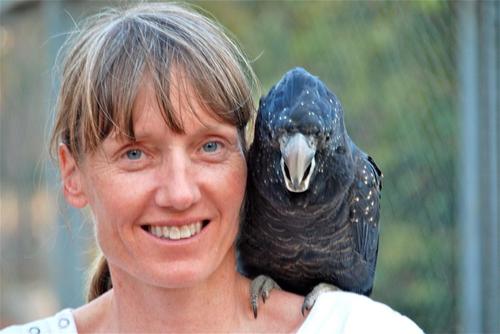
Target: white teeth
(176, 232)
(185, 232)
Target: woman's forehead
(186, 108)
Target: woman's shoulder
(62, 322)
(345, 312)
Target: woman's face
(151, 196)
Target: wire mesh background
(393, 66)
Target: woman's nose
(178, 188)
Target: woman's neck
(218, 304)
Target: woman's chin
(178, 278)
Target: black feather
(329, 232)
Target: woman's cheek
(119, 194)
(236, 180)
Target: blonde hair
(106, 60)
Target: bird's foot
(261, 286)
(311, 297)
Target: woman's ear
(71, 178)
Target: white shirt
(346, 312)
(333, 312)
(60, 323)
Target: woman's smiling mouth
(176, 232)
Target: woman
(150, 134)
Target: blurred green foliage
(392, 65)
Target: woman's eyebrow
(220, 128)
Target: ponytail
(100, 278)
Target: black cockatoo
(312, 207)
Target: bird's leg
(261, 286)
(311, 297)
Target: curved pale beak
(297, 161)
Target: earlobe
(71, 178)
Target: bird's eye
(134, 154)
(327, 138)
(340, 149)
(211, 146)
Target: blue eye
(211, 146)
(134, 154)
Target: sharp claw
(254, 301)
(304, 309)
(310, 299)
(261, 286)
